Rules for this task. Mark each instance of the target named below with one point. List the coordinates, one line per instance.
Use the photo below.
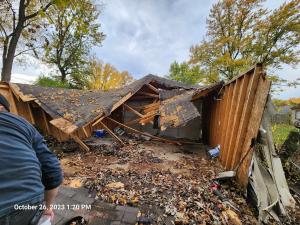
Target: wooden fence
(235, 118)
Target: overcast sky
(146, 36)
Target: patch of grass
(281, 133)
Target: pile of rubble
(163, 181)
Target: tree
(74, 31)
(103, 76)
(18, 20)
(241, 33)
(185, 73)
(291, 102)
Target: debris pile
(164, 182)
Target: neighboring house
(295, 113)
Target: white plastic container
(45, 220)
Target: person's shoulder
(10, 117)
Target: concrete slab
(129, 217)
(70, 201)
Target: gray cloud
(146, 36)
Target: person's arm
(50, 196)
(51, 171)
(49, 199)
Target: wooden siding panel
(245, 117)
(259, 103)
(238, 113)
(234, 121)
(225, 121)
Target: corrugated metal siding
(235, 119)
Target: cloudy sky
(146, 36)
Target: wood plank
(217, 124)
(228, 93)
(147, 120)
(149, 110)
(142, 133)
(64, 125)
(230, 120)
(151, 105)
(85, 132)
(25, 98)
(147, 94)
(206, 91)
(30, 113)
(119, 103)
(212, 123)
(132, 121)
(46, 122)
(133, 110)
(111, 133)
(137, 97)
(221, 117)
(81, 143)
(238, 114)
(246, 112)
(97, 121)
(13, 106)
(258, 107)
(4, 86)
(152, 88)
(249, 72)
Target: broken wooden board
(80, 142)
(18, 93)
(64, 125)
(142, 133)
(112, 133)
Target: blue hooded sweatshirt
(27, 166)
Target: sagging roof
(82, 106)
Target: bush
(51, 82)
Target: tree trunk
(63, 74)
(9, 55)
(8, 59)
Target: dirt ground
(170, 184)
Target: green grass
(281, 133)
(51, 82)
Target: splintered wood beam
(142, 133)
(137, 97)
(152, 88)
(4, 86)
(154, 104)
(148, 94)
(97, 121)
(133, 110)
(111, 133)
(133, 121)
(151, 110)
(147, 119)
(81, 143)
(85, 132)
(119, 103)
